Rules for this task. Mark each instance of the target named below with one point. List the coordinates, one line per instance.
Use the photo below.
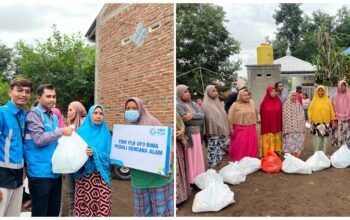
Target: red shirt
(300, 99)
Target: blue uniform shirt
(11, 146)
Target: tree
(299, 30)
(307, 49)
(6, 55)
(343, 26)
(331, 65)
(67, 62)
(4, 91)
(289, 20)
(203, 41)
(5, 65)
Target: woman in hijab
(183, 190)
(153, 193)
(93, 177)
(243, 117)
(59, 116)
(193, 117)
(321, 115)
(341, 104)
(293, 125)
(75, 117)
(216, 127)
(271, 123)
(76, 114)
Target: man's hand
(0, 196)
(24, 173)
(67, 131)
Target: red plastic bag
(271, 163)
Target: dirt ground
(323, 193)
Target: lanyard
(19, 125)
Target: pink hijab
(145, 117)
(80, 114)
(341, 103)
(58, 114)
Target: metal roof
(346, 51)
(290, 64)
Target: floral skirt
(183, 190)
(270, 142)
(215, 147)
(293, 142)
(341, 134)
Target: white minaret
(288, 53)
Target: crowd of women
(283, 121)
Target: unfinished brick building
(134, 57)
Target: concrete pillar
(261, 76)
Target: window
(154, 27)
(126, 40)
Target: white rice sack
(203, 179)
(341, 158)
(213, 198)
(233, 174)
(292, 164)
(250, 165)
(318, 161)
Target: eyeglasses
(21, 91)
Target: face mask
(132, 115)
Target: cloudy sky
(34, 21)
(248, 23)
(251, 23)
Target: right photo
(262, 109)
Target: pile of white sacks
(215, 195)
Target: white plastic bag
(213, 198)
(292, 164)
(25, 185)
(250, 165)
(341, 158)
(307, 125)
(69, 155)
(233, 173)
(318, 161)
(25, 214)
(203, 179)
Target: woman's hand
(180, 134)
(89, 152)
(169, 173)
(187, 116)
(333, 124)
(184, 143)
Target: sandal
(27, 204)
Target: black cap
(298, 88)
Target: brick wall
(125, 70)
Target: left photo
(87, 110)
